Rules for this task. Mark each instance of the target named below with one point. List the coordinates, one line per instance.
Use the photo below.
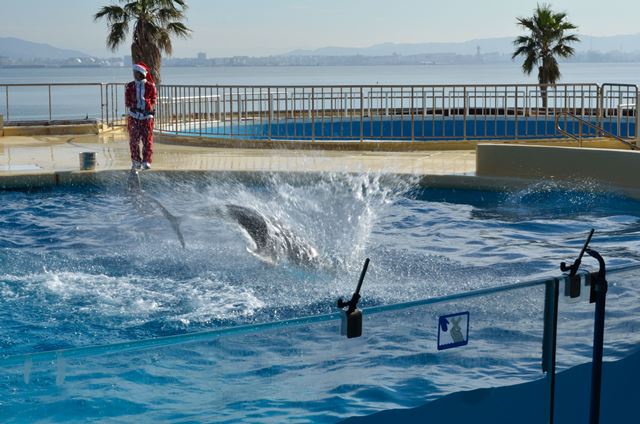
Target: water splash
(335, 212)
(114, 273)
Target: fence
(355, 113)
(385, 112)
(62, 101)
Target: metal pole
(199, 112)
(599, 290)
(619, 112)
(361, 115)
(269, 115)
(413, 135)
(549, 341)
(464, 112)
(49, 102)
(515, 114)
(637, 135)
(102, 105)
(313, 117)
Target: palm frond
(179, 29)
(112, 14)
(547, 38)
(167, 15)
(117, 35)
(134, 8)
(530, 61)
(156, 21)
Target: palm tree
(547, 40)
(155, 22)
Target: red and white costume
(140, 99)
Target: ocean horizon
(490, 73)
(32, 103)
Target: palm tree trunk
(543, 80)
(543, 94)
(143, 50)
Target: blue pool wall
(403, 128)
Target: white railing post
(270, 113)
(386, 103)
(312, 114)
(619, 118)
(636, 115)
(6, 94)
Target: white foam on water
(137, 299)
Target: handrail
(208, 335)
(367, 112)
(104, 94)
(413, 111)
(582, 121)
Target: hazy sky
(263, 27)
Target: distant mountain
(502, 45)
(16, 48)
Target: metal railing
(390, 112)
(361, 113)
(50, 102)
(592, 130)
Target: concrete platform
(21, 156)
(36, 161)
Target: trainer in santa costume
(140, 99)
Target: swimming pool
(408, 128)
(96, 265)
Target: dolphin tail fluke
(180, 236)
(174, 221)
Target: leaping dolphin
(272, 240)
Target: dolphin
(272, 240)
(141, 200)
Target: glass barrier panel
(575, 347)
(622, 329)
(407, 356)
(575, 323)
(619, 391)
(573, 351)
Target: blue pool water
(93, 266)
(427, 128)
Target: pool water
(97, 265)
(88, 265)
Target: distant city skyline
(266, 27)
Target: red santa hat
(144, 70)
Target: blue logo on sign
(453, 330)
